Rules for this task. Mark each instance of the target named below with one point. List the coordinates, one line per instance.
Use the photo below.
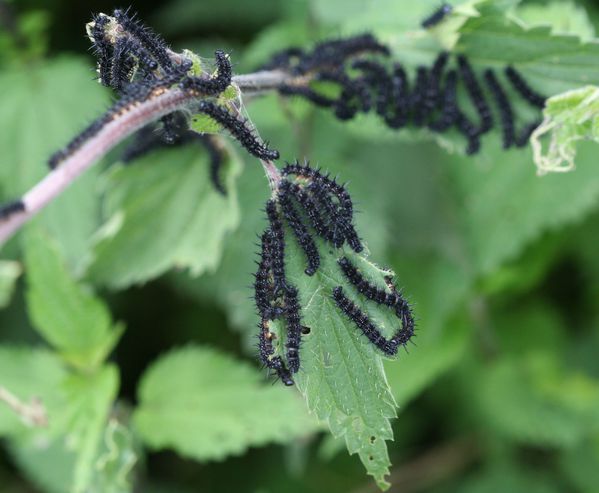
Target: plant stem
(117, 130)
(33, 414)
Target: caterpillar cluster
(393, 299)
(276, 298)
(136, 63)
(312, 205)
(430, 100)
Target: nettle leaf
(68, 461)
(563, 17)
(504, 206)
(28, 374)
(164, 213)
(208, 406)
(386, 15)
(283, 33)
(569, 117)
(552, 63)
(65, 313)
(533, 399)
(39, 117)
(47, 466)
(9, 272)
(341, 374)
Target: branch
(112, 134)
(33, 414)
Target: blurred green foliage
(133, 322)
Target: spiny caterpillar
(430, 100)
(523, 88)
(392, 299)
(437, 16)
(136, 63)
(313, 205)
(240, 129)
(505, 108)
(276, 298)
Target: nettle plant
(327, 315)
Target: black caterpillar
(313, 205)
(437, 16)
(136, 65)
(391, 298)
(430, 100)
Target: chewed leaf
(328, 314)
(569, 118)
(341, 374)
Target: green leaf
(564, 17)
(31, 373)
(9, 272)
(207, 406)
(569, 117)
(386, 16)
(288, 33)
(581, 465)
(552, 63)
(49, 103)
(48, 465)
(164, 213)
(504, 206)
(343, 379)
(68, 461)
(533, 399)
(65, 313)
